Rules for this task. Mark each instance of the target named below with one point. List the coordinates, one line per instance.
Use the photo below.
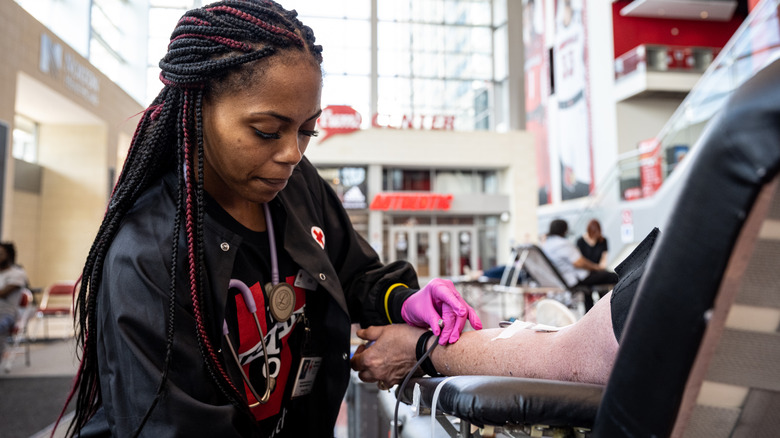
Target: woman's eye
(267, 135)
(309, 133)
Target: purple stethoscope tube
(249, 300)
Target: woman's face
(4, 261)
(255, 136)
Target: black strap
(427, 365)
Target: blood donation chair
(700, 351)
(545, 281)
(531, 259)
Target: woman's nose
(291, 150)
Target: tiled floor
(55, 358)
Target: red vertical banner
(537, 88)
(571, 86)
(650, 174)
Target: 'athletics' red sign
(411, 201)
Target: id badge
(307, 373)
(305, 281)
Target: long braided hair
(216, 47)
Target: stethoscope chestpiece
(281, 300)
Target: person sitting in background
(575, 269)
(593, 245)
(12, 280)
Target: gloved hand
(440, 300)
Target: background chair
(19, 332)
(544, 276)
(57, 301)
(700, 349)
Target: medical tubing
(238, 361)
(406, 380)
(269, 225)
(249, 301)
(435, 402)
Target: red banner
(650, 166)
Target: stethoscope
(252, 308)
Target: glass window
(108, 61)
(349, 90)
(102, 24)
(466, 181)
(500, 63)
(434, 51)
(499, 12)
(406, 180)
(400, 97)
(489, 181)
(482, 110)
(349, 183)
(346, 44)
(340, 60)
(429, 53)
(488, 242)
(474, 12)
(353, 9)
(410, 220)
(181, 4)
(457, 181)
(454, 220)
(25, 139)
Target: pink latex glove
(440, 300)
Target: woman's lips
(275, 183)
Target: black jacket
(133, 301)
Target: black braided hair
(212, 49)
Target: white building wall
(73, 198)
(510, 153)
(640, 119)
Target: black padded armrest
(490, 400)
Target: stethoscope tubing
(252, 307)
(249, 301)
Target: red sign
(650, 166)
(626, 217)
(433, 123)
(338, 119)
(632, 193)
(411, 201)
